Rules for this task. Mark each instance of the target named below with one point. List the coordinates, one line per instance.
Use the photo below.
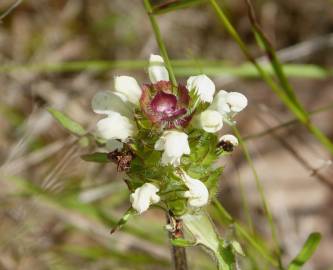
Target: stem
(178, 253)
(159, 40)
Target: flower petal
(203, 86)
(237, 101)
(144, 196)
(129, 87)
(157, 71)
(115, 126)
(106, 102)
(210, 121)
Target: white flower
(203, 86)
(210, 121)
(107, 102)
(116, 126)
(227, 103)
(156, 70)
(236, 101)
(175, 144)
(197, 194)
(128, 87)
(229, 138)
(144, 196)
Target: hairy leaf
(67, 122)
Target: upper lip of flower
(162, 107)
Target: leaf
(129, 213)
(306, 252)
(96, 157)
(237, 248)
(67, 122)
(203, 231)
(175, 5)
(181, 242)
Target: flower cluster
(164, 137)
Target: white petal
(220, 103)
(116, 126)
(175, 144)
(203, 86)
(210, 121)
(129, 87)
(237, 101)
(229, 138)
(106, 102)
(156, 70)
(112, 145)
(144, 196)
(197, 194)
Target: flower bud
(197, 194)
(175, 144)
(202, 86)
(210, 121)
(128, 87)
(115, 126)
(156, 70)
(144, 196)
(228, 142)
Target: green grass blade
(261, 193)
(295, 108)
(170, 6)
(181, 67)
(306, 252)
(159, 40)
(227, 219)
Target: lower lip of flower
(164, 103)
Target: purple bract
(164, 108)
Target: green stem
(160, 41)
(280, 92)
(262, 195)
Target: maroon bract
(162, 107)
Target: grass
(94, 220)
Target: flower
(162, 107)
(144, 196)
(156, 70)
(107, 102)
(127, 88)
(175, 144)
(115, 126)
(228, 142)
(203, 86)
(210, 121)
(118, 124)
(197, 194)
(228, 103)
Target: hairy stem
(178, 253)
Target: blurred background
(56, 210)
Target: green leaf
(202, 229)
(67, 122)
(306, 252)
(181, 242)
(237, 248)
(129, 213)
(96, 157)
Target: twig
(10, 9)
